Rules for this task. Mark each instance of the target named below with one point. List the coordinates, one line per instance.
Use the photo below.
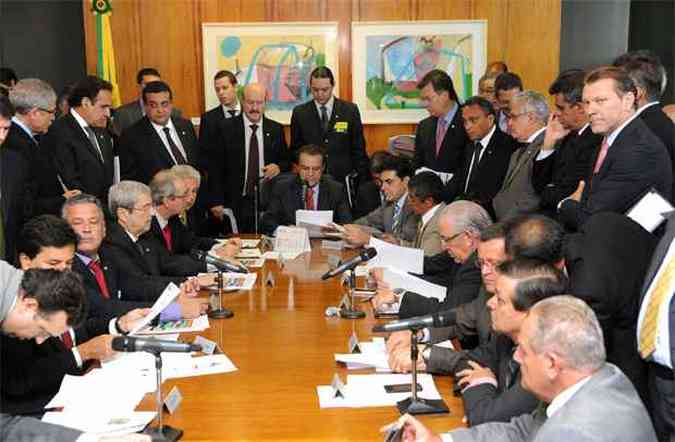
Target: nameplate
(345, 303)
(208, 347)
(354, 344)
(338, 387)
(270, 280)
(173, 400)
(291, 240)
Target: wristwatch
(399, 294)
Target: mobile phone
(400, 388)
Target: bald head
(254, 101)
(535, 236)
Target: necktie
(396, 218)
(183, 218)
(649, 326)
(324, 118)
(177, 154)
(418, 236)
(233, 113)
(168, 240)
(441, 129)
(601, 155)
(309, 199)
(253, 161)
(474, 164)
(94, 142)
(67, 340)
(511, 371)
(95, 267)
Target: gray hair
(83, 198)
(534, 102)
(125, 194)
(163, 186)
(567, 326)
(187, 172)
(31, 93)
(467, 216)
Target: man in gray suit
(527, 117)
(562, 357)
(425, 192)
(656, 333)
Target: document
(179, 326)
(650, 209)
(170, 293)
(405, 259)
(116, 424)
(249, 253)
(445, 177)
(373, 355)
(313, 221)
(291, 240)
(249, 243)
(402, 280)
(253, 263)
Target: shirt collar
(81, 121)
(247, 122)
(160, 129)
(236, 107)
(583, 129)
(86, 260)
(535, 135)
(401, 201)
(564, 396)
(23, 126)
(329, 106)
(450, 115)
(160, 220)
(639, 111)
(131, 235)
(615, 133)
(430, 214)
(486, 139)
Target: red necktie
(95, 267)
(67, 340)
(166, 233)
(309, 199)
(441, 129)
(601, 155)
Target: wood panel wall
(166, 34)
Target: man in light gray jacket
(562, 356)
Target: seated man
(194, 216)
(425, 191)
(459, 225)
(395, 221)
(562, 356)
(369, 195)
(310, 190)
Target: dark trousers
(244, 211)
(662, 398)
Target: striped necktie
(650, 321)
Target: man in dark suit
(440, 138)
(487, 156)
(251, 148)
(332, 123)
(81, 145)
(656, 328)
(309, 190)
(630, 160)
(647, 72)
(568, 144)
(369, 195)
(158, 140)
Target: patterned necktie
(253, 161)
(418, 236)
(168, 239)
(309, 198)
(601, 155)
(67, 340)
(650, 320)
(94, 142)
(324, 118)
(95, 267)
(177, 154)
(441, 129)
(396, 218)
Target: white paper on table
(445, 344)
(253, 263)
(239, 281)
(314, 218)
(444, 176)
(291, 240)
(202, 366)
(327, 399)
(170, 293)
(181, 326)
(406, 259)
(368, 390)
(249, 253)
(373, 355)
(648, 212)
(287, 256)
(249, 243)
(361, 270)
(123, 423)
(397, 279)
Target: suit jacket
(367, 199)
(636, 161)
(345, 148)
(175, 262)
(451, 155)
(658, 122)
(77, 161)
(128, 114)
(382, 219)
(606, 408)
(462, 288)
(31, 429)
(487, 176)
(608, 275)
(229, 160)
(15, 197)
(428, 238)
(209, 134)
(517, 194)
(558, 176)
(287, 197)
(143, 153)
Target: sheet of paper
(249, 243)
(314, 217)
(445, 177)
(648, 212)
(406, 259)
(239, 281)
(123, 423)
(249, 253)
(445, 344)
(402, 280)
(170, 293)
(253, 263)
(327, 400)
(291, 240)
(287, 256)
(180, 326)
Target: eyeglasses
(49, 111)
(487, 265)
(145, 208)
(445, 240)
(510, 116)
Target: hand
(383, 297)
(71, 193)
(203, 280)
(218, 212)
(413, 430)
(554, 132)
(271, 170)
(355, 235)
(469, 375)
(399, 339)
(576, 196)
(229, 249)
(399, 361)
(191, 308)
(377, 273)
(128, 322)
(388, 237)
(191, 286)
(99, 348)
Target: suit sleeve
(519, 429)
(297, 139)
(483, 403)
(65, 160)
(217, 169)
(359, 157)
(341, 212)
(274, 215)
(30, 429)
(418, 158)
(128, 161)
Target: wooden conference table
(283, 344)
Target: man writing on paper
(425, 191)
(309, 190)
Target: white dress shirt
(328, 105)
(484, 143)
(247, 142)
(174, 137)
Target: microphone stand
(161, 433)
(220, 312)
(352, 312)
(414, 404)
(256, 203)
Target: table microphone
(434, 320)
(220, 264)
(364, 256)
(132, 344)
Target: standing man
(507, 84)
(81, 145)
(251, 148)
(440, 138)
(630, 160)
(225, 84)
(158, 141)
(333, 124)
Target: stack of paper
(397, 279)
(313, 221)
(405, 259)
(373, 355)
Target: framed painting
(389, 58)
(281, 56)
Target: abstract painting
(281, 56)
(395, 56)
